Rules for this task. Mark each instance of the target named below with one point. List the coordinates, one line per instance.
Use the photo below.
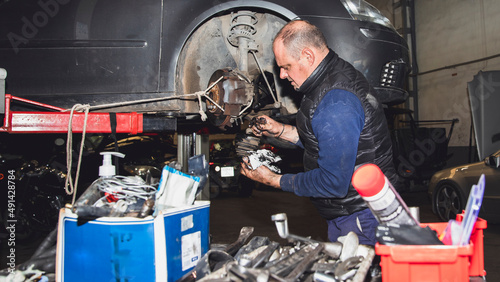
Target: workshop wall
(450, 32)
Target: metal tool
(332, 249)
(346, 269)
(281, 222)
(257, 252)
(245, 233)
(304, 264)
(350, 244)
(237, 272)
(212, 261)
(291, 267)
(323, 277)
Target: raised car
(155, 56)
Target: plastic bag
(176, 189)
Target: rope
(69, 186)
(197, 94)
(201, 112)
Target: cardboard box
(163, 248)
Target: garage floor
(229, 213)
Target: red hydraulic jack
(56, 120)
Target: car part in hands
(246, 144)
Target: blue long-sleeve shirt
(337, 124)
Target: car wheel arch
(186, 81)
(225, 8)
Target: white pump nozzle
(3, 73)
(108, 169)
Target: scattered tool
(333, 249)
(347, 268)
(303, 259)
(245, 233)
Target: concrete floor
(229, 213)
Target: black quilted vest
(374, 144)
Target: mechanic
(340, 125)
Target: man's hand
(262, 174)
(264, 125)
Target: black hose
(47, 243)
(44, 257)
(44, 264)
(50, 252)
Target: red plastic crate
(476, 267)
(434, 262)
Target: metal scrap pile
(302, 259)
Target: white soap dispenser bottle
(107, 169)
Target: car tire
(448, 201)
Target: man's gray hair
(299, 34)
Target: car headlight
(363, 11)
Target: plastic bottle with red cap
(381, 197)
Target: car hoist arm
(56, 120)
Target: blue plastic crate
(163, 248)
